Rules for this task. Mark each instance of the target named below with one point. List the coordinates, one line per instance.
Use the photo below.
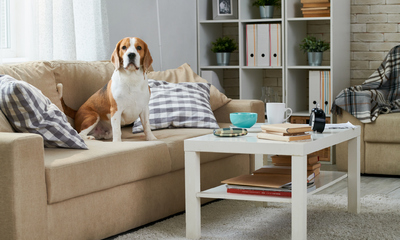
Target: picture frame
(224, 9)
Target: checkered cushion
(185, 104)
(29, 111)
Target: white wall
(167, 26)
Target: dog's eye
(139, 48)
(124, 47)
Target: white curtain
(65, 30)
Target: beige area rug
(327, 219)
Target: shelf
(269, 67)
(262, 20)
(309, 19)
(220, 67)
(301, 113)
(322, 181)
(309, 67)
(219, 21)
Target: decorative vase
(268, 95)
(223, 58)
(266, 11)
(314, 58)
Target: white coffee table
(250, 144)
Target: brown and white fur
(122, 100)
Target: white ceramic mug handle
(288, 115)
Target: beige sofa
(56, 193)
(380, 144)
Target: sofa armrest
(257, 106)
(23, 201)
(342, 150)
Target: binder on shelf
(314, 86)
(263, 44)
(325, 89)
(319, 90)
(275, 40)
(251, 45)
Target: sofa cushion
(178, 105)
(185, 74)
(81, 79)
(384, 130)
(73, 173)
(174, 139)
(29, 111)
(4, 124)
(39, 74)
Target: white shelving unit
(294, 68)
(250, 78)
(297, 69)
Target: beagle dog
(122, 100)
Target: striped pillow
(185, 104)
(29, 111)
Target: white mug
(276, 113)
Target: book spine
(260, 192)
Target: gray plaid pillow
(185, 104)
(29, 111)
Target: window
(6, 38)
(5, 24)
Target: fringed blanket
(380, 93)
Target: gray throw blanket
(380, 93)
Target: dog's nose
(131, 56)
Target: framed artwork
(224, 9)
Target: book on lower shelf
(284, 192)
(266, 183)
(286, 160)
(284, 170)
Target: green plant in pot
(267, 7)
(314, 48)
(223, 47)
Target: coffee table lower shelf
(322, 181)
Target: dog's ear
(148, 60)
(115, 59)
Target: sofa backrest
(39, 74)
(81, 79)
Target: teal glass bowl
(243, 119)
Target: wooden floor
(370, 185)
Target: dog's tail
(67, 110)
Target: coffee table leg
(258, 161)
(192, 187)
(353, 175)
(299, 197)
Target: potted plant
(266, 7)
(223, 47)
(314, 48)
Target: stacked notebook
(316, 8)
(285, 132)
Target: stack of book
(286, 132)
(284, 162)
(268, 181)
(316, 8)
